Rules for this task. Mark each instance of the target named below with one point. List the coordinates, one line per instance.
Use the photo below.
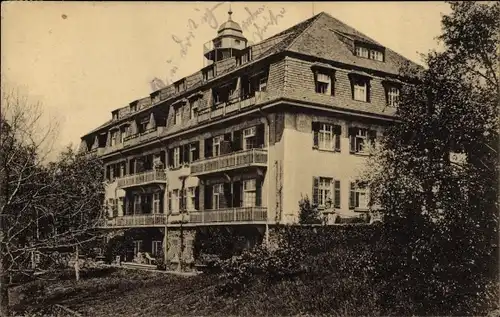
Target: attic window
(369, 53)
(324, 78)
(180, 86)
(208, 73)
(133, 108)
(115, 115)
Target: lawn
(120, 292)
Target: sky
(82, 60)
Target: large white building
(239, 142)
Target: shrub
(308, 213)
(345, 250)
(117, 246)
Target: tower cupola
(229, 41)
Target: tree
(441, 215)
(44, 207)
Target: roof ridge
(313, 19)
(350, 27)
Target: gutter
(268, 176)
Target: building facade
(239, 142)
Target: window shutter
(368, 86)
(208, 196)
(258, 192)
(352, 196)
(181, 155)
(315, 191)
(336, 199)
(208, 147)
(315, 130)
(185, 156)
(196, 152)
(227, 194)
(260, 134)
(237, 144)
(171, 157)
(161, 204)
(352, 139)
(352, 87)
(332, 84)
(197, 198)
(184, 199)
(337, 130)
(170, 202)
(372, 135)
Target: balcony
(144, 220)
(96, 152)
(144, 178)
(233, 105)
(230, 215)
(145, 136)
(235, 160)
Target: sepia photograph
(184, 158)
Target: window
(249, 193)
(177, 115)
(208, 73)
(192, 198)
(180, 86)
(115, 116)
(324, 84)
(263, 84)
(237, 42)
(124, 133)
(327, 136)
(177, 157)
(362, 51)
(156, 248)
(249, 138)
(360, 89)
(359, 139)
(218, 192)
(183, 200)
(376, 55)
(323, 191)
(175, 200)
(358, 197)
(137, 246)
(193, 110)
(370, 53)
(133, 108)
(217, 145)
(114, 138)
(392, 96)
(194, 152)
(157, 204)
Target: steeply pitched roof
(321, 40)
(318, 36)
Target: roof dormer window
(369, 53)
(180, 86)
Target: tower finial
(230, 12)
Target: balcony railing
(233, 105)
(143, 136)
(156, 176)
(230, 215)
(96, 151)
(253, 157)
(144, 220)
